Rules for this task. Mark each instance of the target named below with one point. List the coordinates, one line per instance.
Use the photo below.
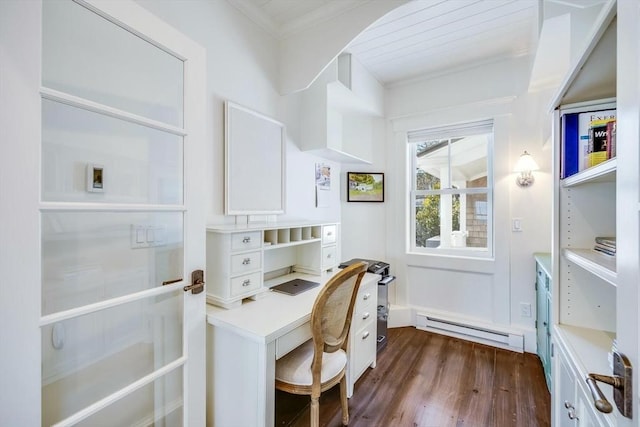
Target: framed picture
(365, 187)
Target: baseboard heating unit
(465, 330)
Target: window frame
(451, 132)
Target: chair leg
(315, 411)
(343, 401)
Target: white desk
(242, 347)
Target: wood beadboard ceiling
(420, 39)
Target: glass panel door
(86, 55)
(113, 223)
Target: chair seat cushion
(295, 367)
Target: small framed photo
(95, 178)
(365, 187)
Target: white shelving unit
(584, 294)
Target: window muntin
(451, 194)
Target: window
(451, 189)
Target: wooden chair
(321, 362)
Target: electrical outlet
(525, 309)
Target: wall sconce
(524, 166)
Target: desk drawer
(243, 263)
(246, 241)
(247, 283)
(362, 317)
(364, 348)
(329, 256)
(293, 339)
(329, 234)
(366, 298)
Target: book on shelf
(570, 148)
(599, 140)
(611, 144)
(609, 241)
(602, 250)
(605, 245)
(575, 133)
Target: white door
(117, 100)
(628, 196)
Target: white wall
(363, 223)
(242, 66)
(489, 291)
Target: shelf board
(285, 245)
(600, 265)
(588, 347)
(604, 172)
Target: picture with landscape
(365, 187)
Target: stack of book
(606, 245)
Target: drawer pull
(568, 405)
(247, 282)
(246, 261)
(571, 413)
(246, 239)
(366, 296)
(329, 255)
(329, 233)
(365, 335)
(365, 316)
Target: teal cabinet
(543, 310)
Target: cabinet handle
(246, 282)
(571, 413)
(328, 255)
(568, 405)
(246, 239)
(365, 335)
(365, 316)
(329, 233)
(366, 296)
(246, 261)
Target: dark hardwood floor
(430, 380)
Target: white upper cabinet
(338, 112)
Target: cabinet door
(585, 411)
(542, 325)
(547, 340)
(565, 393)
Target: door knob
(197, 282)
(622, 382)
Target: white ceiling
(430, 37)
(422, 38)
(419, 39)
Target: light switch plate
(516, 224)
